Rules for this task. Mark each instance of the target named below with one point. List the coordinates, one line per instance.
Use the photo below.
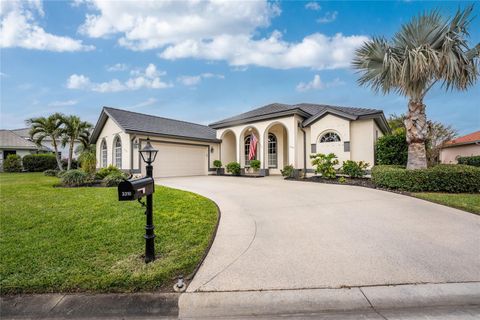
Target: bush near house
(324, 164)
(288, 171)
(441, 178)
(74, 164)
(233, 168)
(354, 169)
(39, 162)
(217, 164)
(255, 164)
(114, 179)
(13, 163)
(74, 178)
(51, 173)
(103, 172)
(471, 161)
(392, 149)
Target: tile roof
(467, 139)
(309, 110)
(139, 122)
(9, 139)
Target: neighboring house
(11, 143)
(465, 146)
(47, 143)
(286, 134)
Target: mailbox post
(148, 154)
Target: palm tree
(47, 127)
(74, 130)
(428, 49)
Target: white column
(292, 143)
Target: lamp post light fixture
(149, 154)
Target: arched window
(272, 151)
(247, 150)
(330, 137)
(104, 154)
(117, 149)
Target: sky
(203, 61)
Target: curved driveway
(277, 234)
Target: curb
(301, 301)
(90, 306)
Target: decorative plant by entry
(255, 164)
(288, 171)
(217, 164)
(233, 168)
(324, 164)
(354, 169)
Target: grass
(84, 240)
(463, 201)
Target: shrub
(40, 162)
(13, 163)
(288, 171)
(217, 164)
(74, 178)
(324, 164)
(441, 178)
(74, 164)
(255, 164)
(392, 149)
(88, 162)
(342, 180)
(233, 168)
(471, 161)
(114, 178)
(103, 172)
(354, 169)
(51, 173)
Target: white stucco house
(286, 134)
(464, 146)
(12, 143)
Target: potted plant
(255, 165)
(218, 165)
(234, 168)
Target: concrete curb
(90, 306)
(261, 303)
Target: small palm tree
(74, 129)
(428, 49)
(47, 127)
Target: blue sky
(200, 61)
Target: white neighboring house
(47, 143)
(286, 134)
(11, 143)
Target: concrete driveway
(277, 234)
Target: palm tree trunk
(70, 155)
(416, 126)
(59, 161)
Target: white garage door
(175, 160)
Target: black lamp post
(149, 154)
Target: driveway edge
(376, 298)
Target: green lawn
(83, 239)
(464, 201)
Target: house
(48, 145)
(468, 145)
(286, 134)
(11, 143)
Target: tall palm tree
(74, 129)
(429, 49)
(47, 127)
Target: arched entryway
(228, 148)
(247, 138)
(276, 148)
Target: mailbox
(135, 189)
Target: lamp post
(149, 154)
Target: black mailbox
(135, 189)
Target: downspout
(131, 153)
(304, 150)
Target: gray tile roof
(142, 123)
(309, 110)
(10, 140)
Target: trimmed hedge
(471, 161)
(13, 163)
(453, 178)
(392, 149)
(39, 162)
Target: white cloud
(63, 103)
(149, 79)
(154, 24)
(194, 80)
(117, 67)
(313, 6)
(318, 84)
(19, 28)
(328, 17)
(145, 103)
(316, 51)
